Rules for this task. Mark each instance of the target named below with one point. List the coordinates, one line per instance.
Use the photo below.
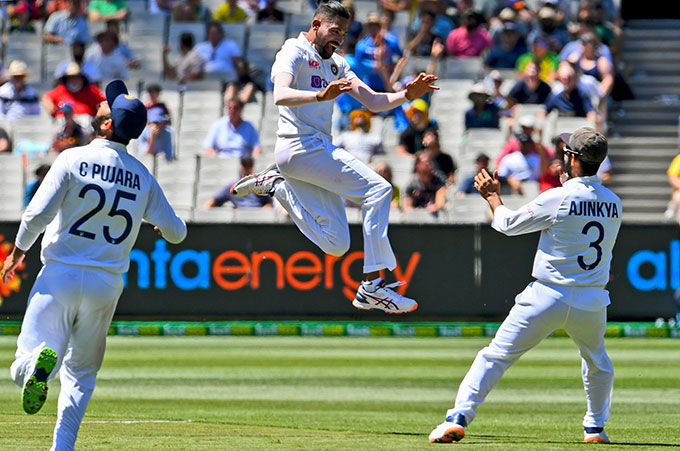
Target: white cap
(527, 121)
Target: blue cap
(128, 113)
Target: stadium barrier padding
(272, 272)
(342, 329)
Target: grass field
(316, 393)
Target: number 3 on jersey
(115, 211)
(594, 244)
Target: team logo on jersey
(318, 82)
(13, 285)
(334, 69)
(314, 64)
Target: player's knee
(382, 191)
(337, 246)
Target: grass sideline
(331, 393)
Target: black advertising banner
(257, 271)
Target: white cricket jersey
(310, 72)
(91, 205)
(579, 222)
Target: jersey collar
(589, 180)
(308, 43)
(108, 144)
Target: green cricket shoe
(35, 389)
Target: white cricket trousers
(69, 310)
(538, 311)
(318, 175)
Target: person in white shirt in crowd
(358, 140)
(90, 207)
(579, 223)
(104, 54)
(222, 58)
(17, 98)
(231, 136)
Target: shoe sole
(34, 393)
(452, 434)
(360, 306)
(595, 440)
(234, 191)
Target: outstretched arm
(284, 95)
(383, 101)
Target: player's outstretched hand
(11, 263)
(420, 86)
(487, 185)
(334, 89)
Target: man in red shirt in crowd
(75, 89)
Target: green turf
(316, 393)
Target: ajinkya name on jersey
(111, 174)
(594, 208)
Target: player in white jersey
(314, 174)
(579, 222)
(90, 207)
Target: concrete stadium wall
(272, 271)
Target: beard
(97, 123)
(326, 51)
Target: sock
(371, 285)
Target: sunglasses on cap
(568, 149)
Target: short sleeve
(347, 71)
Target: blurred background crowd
(513, 73)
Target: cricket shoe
(262, 183)
(383, 298)
(35, 388)
(451, 430)
(595, 435)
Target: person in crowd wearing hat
(470, 39)
(189, 67)
(74, 89)
(571, 271)
(67, 26)
(17, 98)
(547, 60)
(270, 13)
(231, 136)
(85, 251)
(549, 27)
(467, 186)
(70, 134)
(89, 70)
(530, 88)
(569, 99)
(358, 140)
(526, 165)
(191, 11)
(484, 113)
(506, 52)
(526, 125)
(411, 139)
(377, 53)
(507, 15)
(427, 188)
(156, 139)
(222, 57)
(32, 187)
(230, 12)
(103, 10)
(251, 200)
(104, 54)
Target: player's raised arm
(285, 95)
(383, 101)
